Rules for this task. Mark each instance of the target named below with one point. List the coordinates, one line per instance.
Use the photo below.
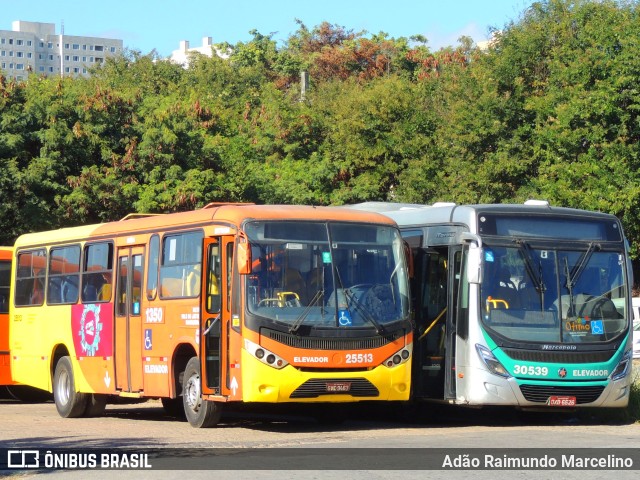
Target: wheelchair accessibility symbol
(344, 318)
(148, 344)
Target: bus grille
(540, 394)
(319, 343)
(315, 387)
(559, 357)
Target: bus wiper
(300, 320)
(363, 311)
(570, 283)
(580, 265)
(573, 275)
(537, 278)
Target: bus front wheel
(69, 402)
(199, 412)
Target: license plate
(338, 387)
(557, 401)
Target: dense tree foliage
(551, 110)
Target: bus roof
(225, 214)
(6, 253)
(409, 214)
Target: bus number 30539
(530, 370)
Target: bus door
(128, 320)
(453, 324)
(215, 317)
(435, 291)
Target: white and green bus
(523, 305)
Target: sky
(145, 25)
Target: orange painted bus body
(6, 254)
(127, 336)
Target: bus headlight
(622, 369)
(400, 357)
(491, 362)
(264, 355)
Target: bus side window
(97, 272)
(31, 267)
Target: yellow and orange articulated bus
(229, 303)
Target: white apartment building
(33, 47)
(181, 56)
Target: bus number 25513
(359, 357)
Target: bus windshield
(327, 275)
(554, 295)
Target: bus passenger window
(97, 272)
(152, 272)
(30, 273)
(180, 259)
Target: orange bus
(5, 276)
(229, 303)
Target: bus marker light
(260, 353)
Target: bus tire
(96, 404)
(69, 403)
(199, 412)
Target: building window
(50, 57)
(84, 70)
(19, 54)
(41, 68)
(11, 41)
(2, 41)
(113, 49)
(29, 55)
(41, 44)
(28, 43)
(3, 53)
(50, 69)
(66, 70)
(99, 48)
(11, 53)
(84, 47)
(76, 58)
(19, 42)
(76, 70)
(49, 44)
(4, 65)
(19, 66)
(66, 45)
(84, 59)
(66, 57)
(76, 46)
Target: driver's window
(213, 279)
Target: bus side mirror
(474, 256)
(474, 264)
(409, 258)
(244, 258)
